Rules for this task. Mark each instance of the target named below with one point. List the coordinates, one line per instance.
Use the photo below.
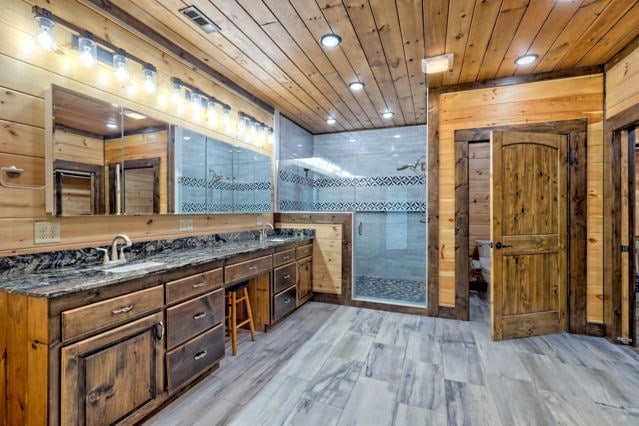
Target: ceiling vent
(194, 14)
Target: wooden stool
(231, 303)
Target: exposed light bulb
(271, 136)
(211, 113)
(196, 105)
(88, 50)
(45, 38)
(149, 78)
(226, 119)
(176, 90)
(120, 66)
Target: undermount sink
(129, 267)
(278, 239)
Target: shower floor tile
(390, 289)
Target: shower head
(416, 166)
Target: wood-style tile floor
(330, 365)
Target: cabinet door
(111, 375)
(304, 280)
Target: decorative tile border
(196, 182)
(188, 207)
(372, 181)
(406, 206)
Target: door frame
(577, 131)
(612, 290)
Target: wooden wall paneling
(361, 14)
(478, 194)
(457, 32)
(4, 313)
(584, 17)
(461, 230)
(20, 139)
(594, 208)
(21, 108)
(297, 42)
(387, 21)
(506, 25)
(578, 232)
(605, 21)
(622, 84)
(558, 19)
(79, 148)
(339, 17)
(625, 240)
(486, 13)
(411, 20)
(432, 266)
(435, 22)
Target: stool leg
(233, 320)
(249, 313)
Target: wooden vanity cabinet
(107, 377)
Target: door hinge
(624, 340)
(625, 249)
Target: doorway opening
(575, 295)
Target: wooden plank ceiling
(271, 47)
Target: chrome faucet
(263, 232)
(115, 257)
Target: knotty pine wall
(622, 85)
(561, 99)
(478, 194)
(27, 72)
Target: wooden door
(110, 376)
(528, 232)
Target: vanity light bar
(253, 121)
(191, 89)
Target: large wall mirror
(212, 176)
(109, 159)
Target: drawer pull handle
(252, 268)
(122, 310)
(287, 301)
(200, 284)
(200, 355)
(199, 315)
(287, 276)
(159, 330)
(285, 257)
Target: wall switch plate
(47, 232)
(259, 220)
(186, 224)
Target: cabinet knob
(199, 315)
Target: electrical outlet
(186, 224)
(47, 232)
(259, 220)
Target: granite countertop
(56, 282)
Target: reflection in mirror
(106, 159)
(212, 176)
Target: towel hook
(14, 172)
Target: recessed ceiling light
(397, 136)
(187, 138)
(526, 59)
(112, 125)
(356, 85)
(388, 114)
(352, 140)
(330, 40)
(331, 121)
(436, 64)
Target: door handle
(499, 245)
(360, 228)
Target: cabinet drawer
(283, 257)
(191, 286)
(284, 303)
(186, 361)
(90, 318)
(304, 251)
(190, 318)
(284, 277)
(247, 269)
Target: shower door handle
(360, 228)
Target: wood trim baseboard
(595, 329)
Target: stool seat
(232, 301)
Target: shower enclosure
(379, 175)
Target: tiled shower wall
(357, 171)
(216, 177)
